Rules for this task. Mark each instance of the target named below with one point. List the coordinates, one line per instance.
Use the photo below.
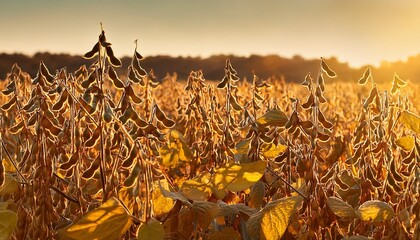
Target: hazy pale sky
(356, 31)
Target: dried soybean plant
(93, 154)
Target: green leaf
(375, 211)
(274, 117)
(272, 221)
(406, 143)
(238, 177)
(8, 223)
(109, 221)
(152, 230)
(410, 120)
(341, 208)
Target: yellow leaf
(174, 195)
(242, 147)
(226, 233)
(272, 221)
(109, 221)
(8, 223)
(8, 166)
(176, 151)
(410, 120)
(274, 117)
(238, 177)
(10, 185)
(341, 208)
(126, 195)
(407, 143)
(198, 188)
(270, 150)
(161, 204)
(256, 195)
(375, 211)
(152, 230)
(204, 213)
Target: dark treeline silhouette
(292, 69)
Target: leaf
(410, 120)
(270, 150)
(8, 223)
(272, 221)
(204, 212)
(341, 208)
(10, 185)
(226, 233)
(109, 221)
(152, 230)
(406, 143)
(274, 117)
(256, 196)
(375, 211)
(198, 188)
(176, 151)
(161, 203)
(238, 177)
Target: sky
(355, 31)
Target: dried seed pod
(327, 69)
(162, 117)
(130, 92)
(308, 81)
(223, 83)
(234, 103)
(10, 88)
(320, 95)
(131, 179)
(394, 172)
(111, 58)
(63, 98)
(93, 52)
(138, 121)
(323, 137)
(115, 79)
(88, 174)
(86, 106)
(371, 176)
(309, 102)
(94, 138)
(17, 128)
(323, 121)
(366, 75)
(127, 114)
(107, 113)
(32, 120)
(47, 124)
(71, 162)
(391, 182)
(9, 104)
(46, 73)
(89, 81)
(398, 81)
(372, 95)
(293, 120)
(133, 77)
(136, 65)
(128, 162)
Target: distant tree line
(292, 69)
